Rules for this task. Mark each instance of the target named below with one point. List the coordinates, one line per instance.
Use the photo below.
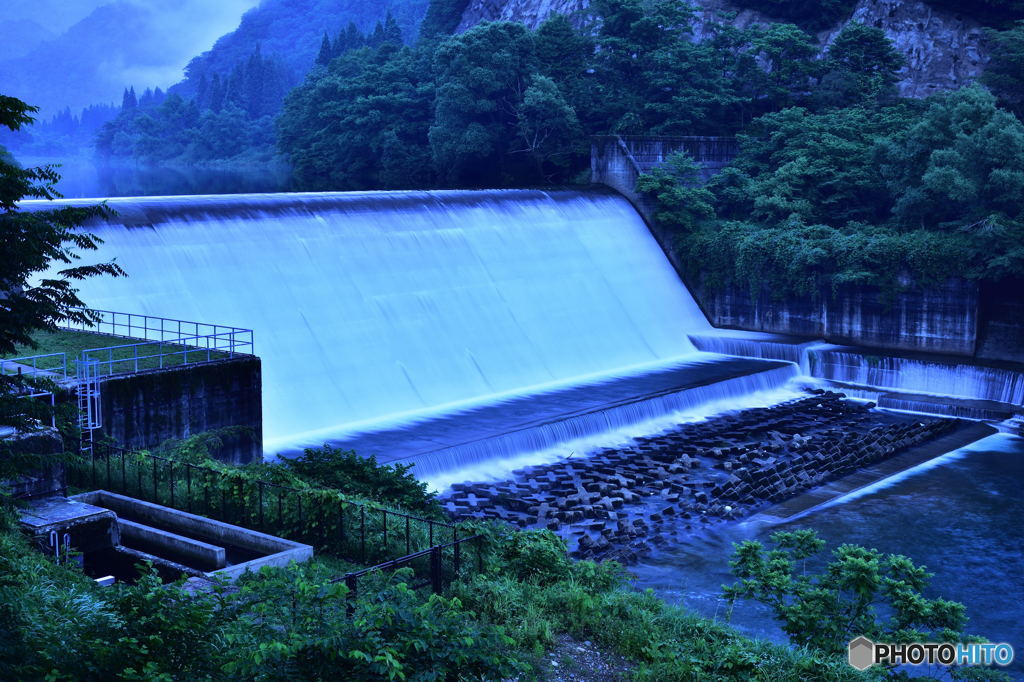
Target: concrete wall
(144, 409)
(941, 319)
(618, 160)
(49, 478)
(954, 319)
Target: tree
(482, 76)
(861, 66)
(960, 169)
(861, 592)
(811, 14)
(547, 127)
(326, 51)
(443, 17)
(128, 100)
(31, 242)
(362, 123)
(683, 201)
(1004, 74)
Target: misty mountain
(21, 36)
(116, 44)
(290, 31)
(56, 16)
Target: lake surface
(961, 515)
(85, 178)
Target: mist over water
(371, 307)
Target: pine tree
(376, 39)
(326, 51)
(391, 33)
(129, 101)
(353, 40)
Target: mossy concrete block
(49, 477)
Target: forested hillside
(226, 107)
(840, 179)
(107, 47)
(290, 32)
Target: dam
(387, 310)
(536, 358)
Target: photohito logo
(863, 653)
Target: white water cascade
(378, 308)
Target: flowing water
(959, 515)
(384, 307)
(477, 332)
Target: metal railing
(189, 350)
(436, 575)
(356, 532)
(50, 365)
(148, 327)
(162, 342)
(650, 150)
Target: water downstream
(960, 515)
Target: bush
(331, 467)
(861, 592)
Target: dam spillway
(381, 308)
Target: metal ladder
(88, 391)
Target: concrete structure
(123, 530)
(618, 160)
(46, 443)
(143, 409)
(953, 318)
(165, 531)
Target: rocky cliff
(943, 50)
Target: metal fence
(49, 365)
(111, 360)
(163, 342)
(356, 532)
(149, 327)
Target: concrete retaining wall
(954, 319)
(144, 409)
(47, 445)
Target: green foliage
(283, 623)
(393, 484)
(960, 169)
(683, 202)
(297, 627)
(1004, 74)
(442, 18)
(482, 77)
(228, 118)
(860, 592)
(860, 67)
(595, 601)
(32, 242)
(349, 524)
(362, 123)
(501, 105)
(861, 195)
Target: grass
(73, 343)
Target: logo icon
(862, 653)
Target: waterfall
(583, 412)
(915, 383)
(380, 307)
(919, 374)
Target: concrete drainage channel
(114, 533)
